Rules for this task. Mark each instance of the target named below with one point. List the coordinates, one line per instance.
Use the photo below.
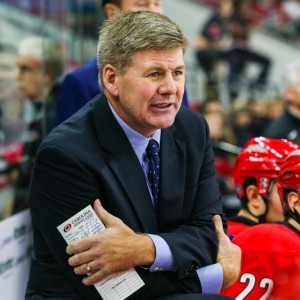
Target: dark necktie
(153, 169)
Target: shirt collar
(138, 142)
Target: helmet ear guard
(261, 158)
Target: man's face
(275, 210)
(136, 5)
(31, 78)
(149, 94)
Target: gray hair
(125, 34)
(46, 51)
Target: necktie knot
(152, 148)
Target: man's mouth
(164, 105)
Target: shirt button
(157, 269)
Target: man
(287, 126)
(39, 70)
(255, 175)
(82, 85)
(225, 36)
(271, 252)
(99, 153)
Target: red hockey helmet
(261, 158)
(289, 175)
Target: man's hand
(229, 255)
(114, 250)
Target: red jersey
(270, 263)
(238, 224)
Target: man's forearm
(210, 277)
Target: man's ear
(253, 196)
(110, 80)
(110, 9)
(293, 201)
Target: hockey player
(255, 174)
(271, 252)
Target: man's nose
(168, 85)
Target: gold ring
(89, 269)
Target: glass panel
(40, 41)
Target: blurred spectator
(288, 125)
(260, 119)
(213, 43)
(241, 120)
(220, 129)
(278, 17)
(242, 53)
(275, 16)
(40, 67)
(223, 143)
(269, 11)
(274, 108)
(211, 106)
(225, 36)
(249, 119)
(292, 9)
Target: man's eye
(154, 74)
(25, 69)
(178, 73)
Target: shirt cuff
(164, 260)
(211, 278)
